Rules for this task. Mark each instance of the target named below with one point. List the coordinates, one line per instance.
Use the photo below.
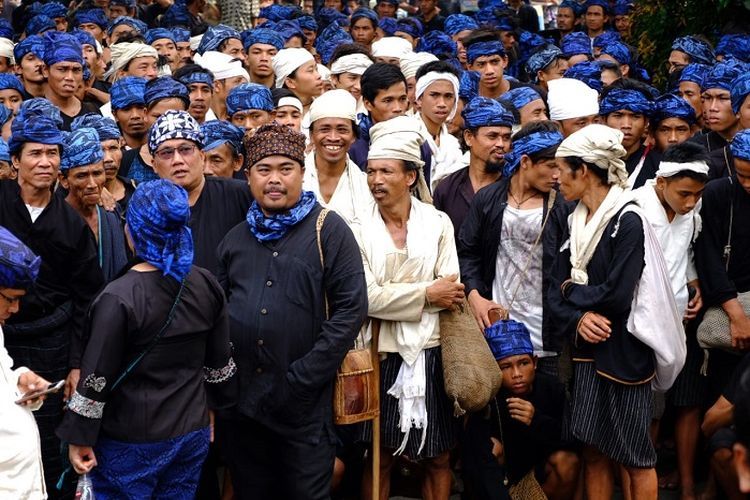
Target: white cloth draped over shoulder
(352, 199)
(397, 280)
(446, 158)
(21, 474)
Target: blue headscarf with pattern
(34, 125)
(82, 147)
(158, 215)
(604, 4)
(106, 128)
(521, 96)
(218, 132)
(307, 23)
(740, 145)
(6, 30)
(589, 72)
(198, 77)
(84, 37)
(528, 43)
(694, 72)
(92, 16)
(388, 25)
(39, 24)
(528, 145)
(623, 7)
(165, 87)
(468, 87)
(136, 24)
(215, 36)
(248, 96)
(41, 107)
(4, 150)
(130, 4)
(155, 34)
(61, 47)
(53, 10)
(5, 114)
(277, 12)
(479, 49)
(329, 40)
(411, 26)
(508, 338)
(618, 51)
(456, 23)
(365, 13)
(574, 6)
(19, 266)
(327, 16)
(627, 99)
(606, 38)
(127, 92)
(438, 44)
(576, 43)
(176, 15)
(696, 49)
(740, 91)
(263, 36)
(737, 46)
(11, 82)
(541, 59)
(722, 74)
(274, 227)
(180, 35)
(673, 106)
(31, 44)
(486, 112)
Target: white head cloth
(399, 138)
(123, 53)
(195, 41)
(337, 103)
(290, 101)
(570, 98)
(6, 49)
(391, 46)
(355, 64)
(325, 73)
(286, 61)
(432, 77)
(411, 63)
(668, 168)
(99, 49)
(222, 65)
(600, 145)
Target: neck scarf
(274, 227)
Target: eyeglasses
(10, 300)
(185, 150)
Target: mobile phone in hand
(50, 389)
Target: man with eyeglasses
(216, 204)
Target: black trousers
(268, 465)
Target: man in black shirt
(47, 335)
(216, 204)
(291, 325)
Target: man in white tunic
(337, 182)
(21, 475)
(411, 267)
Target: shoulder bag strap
(728, 246)
(318, 227)
(154, 340)
(550, 203)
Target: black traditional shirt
(286, 351)
(169, 392)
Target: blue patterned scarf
(274, 228)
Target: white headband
(432, 77)
(353, 63)
(290, 101)
(668, 168)
(286, 61)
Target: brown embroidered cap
(274, 139)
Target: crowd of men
(380, 162)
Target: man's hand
(594, 328)
(739, 324)
(28, 382)
(446, 292)
(695, 304)
(521, 410)
(480, 308)
(81, 458)
(107, 200)
(71, 382)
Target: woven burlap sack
(472, 377)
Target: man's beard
(494, 167)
